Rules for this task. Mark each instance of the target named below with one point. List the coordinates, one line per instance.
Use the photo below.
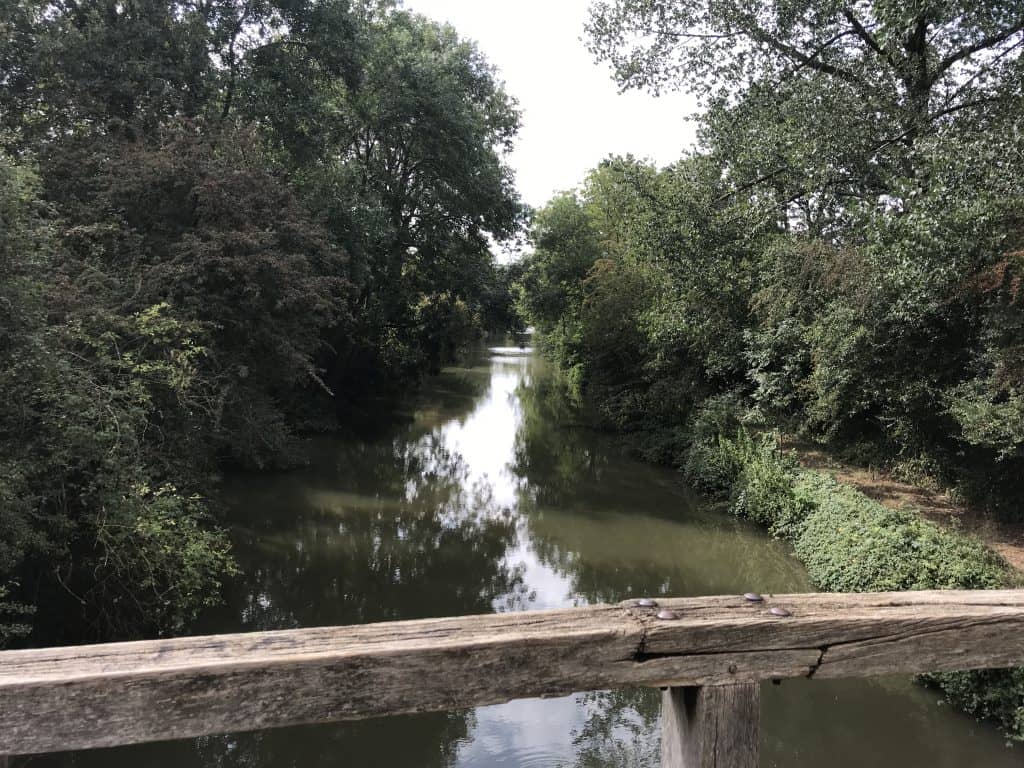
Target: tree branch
(981, 45)
(751, 184)
(864, 35)
(810, 60)
(986, 68)
(965, 105)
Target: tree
(241, 215)
(566, 246)
(404, 161)
(821, 96)
(644, 285)
(202, 223)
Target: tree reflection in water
(372, 532)
(621, 730)
(491, 497)
(377, 530)
(617, 528)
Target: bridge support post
(713, 726)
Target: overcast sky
(573, 115)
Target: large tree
(820, 95)
(240, 213)
(403, 157)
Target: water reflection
(486, 496)
(408, 538)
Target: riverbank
(1004, 538)
(850, 542)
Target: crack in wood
(817, 665)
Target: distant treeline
(843, 256)
(222, 222)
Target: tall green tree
(821, 96)
(241, 215)
(404, 160)
(93, 527)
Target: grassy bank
(850, 543)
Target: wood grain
(105, 695)
(716, 726)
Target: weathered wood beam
(715, 726)
(105, 695)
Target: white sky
(573, 115)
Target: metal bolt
(780, 612)
(733, 669)
(646, 602)
(753, 597)
(666, 615)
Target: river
(483, 495)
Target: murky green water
(487, 498)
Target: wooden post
(714, 726)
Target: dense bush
(90, 525)
(850, 543)
(260, 217)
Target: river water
(483, 495)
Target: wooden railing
(709, 654)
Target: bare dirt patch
(1005, 538)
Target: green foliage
(160, 557)
(80, 400)
(763, 491)
(883, 312)
(712, 462)
(853, 544)
(841, 259)
(917, 358)
(227, 222)
(398, 148)
(993, 694)
(818, 103)
(566, 247)
(850, 543)
(14, 620)
(613, 344)
(640, 286)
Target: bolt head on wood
(646, 602)
(780, 612)
(667, 615)
(753, 597)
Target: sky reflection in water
(485, 497)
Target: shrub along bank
(850, 543)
